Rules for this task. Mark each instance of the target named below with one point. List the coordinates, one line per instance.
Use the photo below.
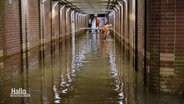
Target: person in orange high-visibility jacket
(105, 29)
(97, 23)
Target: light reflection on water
(89, 70)
(118, 84)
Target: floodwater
(85, 70)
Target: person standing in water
(97, 23)
(105, 29)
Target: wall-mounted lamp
(10, 1)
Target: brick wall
(148, 20)
(140, 24)
(24, 26)
(33, 32)
(1, 39)
(165, 30)
(164, 41)
(9, 40)
(171, 70)
(11, 28)
(153, 39)
(179, 47)
(11, 67)
(1, 24)
(33, 23)
(140, 37)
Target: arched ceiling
(91, 6)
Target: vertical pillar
(122, 19)
(126, 23)
(64, 22)
(153, 42)
(141, 38)
(76, 24)
(68, 22)
(24, 16)
(61, 21)
(1, 34)
(55, 22)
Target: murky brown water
(88, 71)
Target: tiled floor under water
(89, 70)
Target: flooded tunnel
(91, 51)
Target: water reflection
(118, 84)
(84, 70)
